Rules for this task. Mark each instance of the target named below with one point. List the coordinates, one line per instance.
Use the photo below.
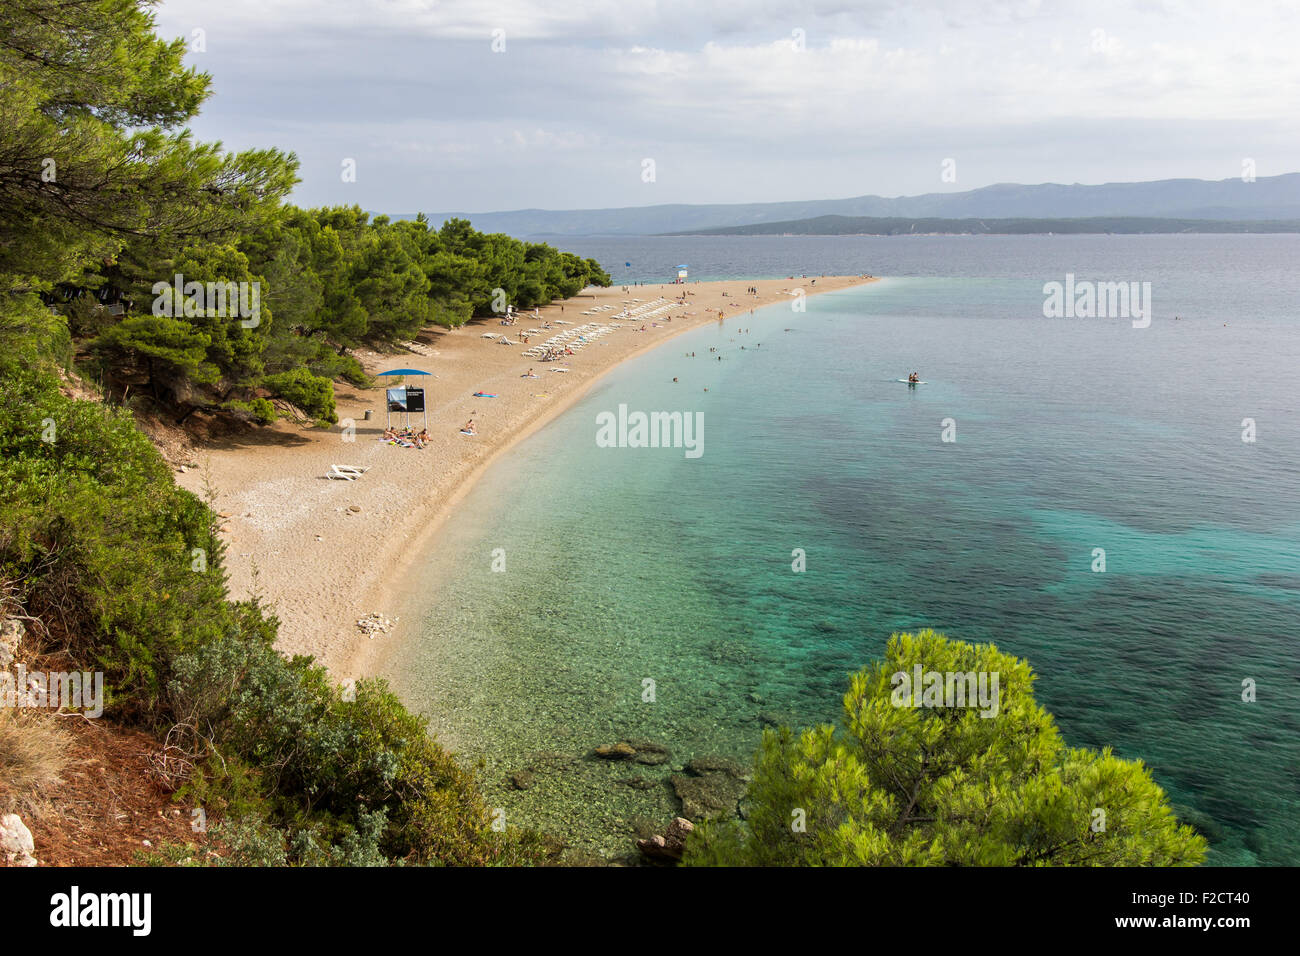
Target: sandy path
(290, 533)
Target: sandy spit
(291, 533)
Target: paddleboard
(483, 395)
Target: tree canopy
(105, 195)
(911, 779)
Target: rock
(701, 766)
(655, 847)
(522, 779)
(639, 783)
(756, 698)
(711, 787)
(355, 509)
(619, 751)
(670, 846)
(649, 753)
(713, 795)
(12, 632)
(16, 841)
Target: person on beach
(469, 427)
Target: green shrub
(123, 565)
(904, 785)
(325, 762)
(313, 394)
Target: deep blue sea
(625, 565)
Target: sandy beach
(326, 552)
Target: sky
(485, 105)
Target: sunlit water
(626, 565)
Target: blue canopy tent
(404, 400)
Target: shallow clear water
(627, 564)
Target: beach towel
(483, 395)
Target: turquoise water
(627, 564)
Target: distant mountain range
(1267, 198)
(916, 226)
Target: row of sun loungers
(647, 309)
(574, 338)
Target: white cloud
(732, 108)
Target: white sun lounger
(346, 472)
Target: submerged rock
(706, 765)
(669, 847)
(522, 779)
(619, 751)
(649, 753)
(712, 795)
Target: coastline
(291, 535)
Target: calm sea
(624, 566)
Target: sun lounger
(346, 472)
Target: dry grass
(33, 756)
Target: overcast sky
(741, 100)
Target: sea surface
(624, 566)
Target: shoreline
(291, 535)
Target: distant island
(905, 226)
(1245, 203)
